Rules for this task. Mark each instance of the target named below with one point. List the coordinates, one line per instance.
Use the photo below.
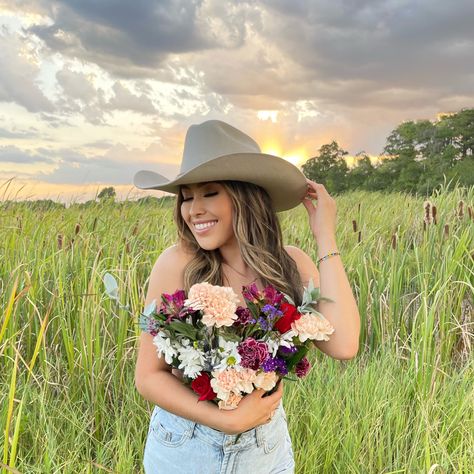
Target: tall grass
(405, 404)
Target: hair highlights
(258, 232)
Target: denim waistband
(216, 437)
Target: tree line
(417, 157)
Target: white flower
(272, 346)
(192, 359)
(228, 355)
(165, 346)
(287, 337)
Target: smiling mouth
(204, 227)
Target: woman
(228, 193)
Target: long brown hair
(258, 232)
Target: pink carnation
(231, 402)
(231, 380)
(310, 326)
(218, 303)
(266, 380)
(245, 381)
(223, 382)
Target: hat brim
(284, 182)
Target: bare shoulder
(168, 272)
(306, 266)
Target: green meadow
(405, 404)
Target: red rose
(202, 386)
(290, 314)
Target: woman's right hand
(254, 409)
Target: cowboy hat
(215, 150)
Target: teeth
(204, 226)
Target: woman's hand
(253, 410)
(322, 217)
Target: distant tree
(106, 194)
(457, 130)
(148, 200)
(422, 153)
(360, 175)
(328, 167)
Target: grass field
(405, 404)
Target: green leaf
(111, 286)
(184, 329)
(297, 356)
(150, 308)
(288, 298)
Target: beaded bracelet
(327, 256)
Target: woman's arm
(343, 314)
(153, 378)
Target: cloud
(134, 38)
(332, 69)
(80, 95)
(123, 99)
(13, 154)
(18, 74)
(18, 134)
(116, 166)
(259, 54)
(353, 49)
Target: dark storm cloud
(129, 38)
(352, 53)
(402, 44)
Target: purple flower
(244, 316)
(149, 324)
(302, 367)
(253, 353)
(275, 364)
(251, 292)
(287, 350)
(270, 313)
(272, 296)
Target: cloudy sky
(93, 91)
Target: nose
(196, 207)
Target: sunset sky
(92, 91)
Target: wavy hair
(258, 233)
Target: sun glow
(296, 156)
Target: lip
(203, 231)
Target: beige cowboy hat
(215, 150)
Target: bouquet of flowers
(225, 350)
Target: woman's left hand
(322, 217)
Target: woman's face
(207, 203)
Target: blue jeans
(180, 446)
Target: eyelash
(206, 195)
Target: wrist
(224, 420)
(230, 422)
(326, 244)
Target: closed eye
(206, 195)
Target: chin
(208, 246)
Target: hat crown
(212, 139)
